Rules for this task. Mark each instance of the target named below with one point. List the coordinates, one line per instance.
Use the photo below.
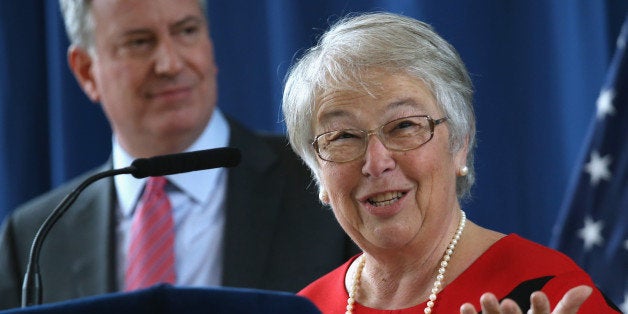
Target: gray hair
(397, 44)
(79, 21)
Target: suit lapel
(253, 202)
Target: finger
(539, 303)
(572, 300)
(508, 306)
(490, 304)
(468, 308)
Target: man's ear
(81, 64)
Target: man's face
(153, 71)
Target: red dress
(513, 267)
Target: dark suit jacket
(278, 236)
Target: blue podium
(166, 299)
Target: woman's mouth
(385, 199)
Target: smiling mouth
(385, 199)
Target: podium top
(166, 299)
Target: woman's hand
(569, 304)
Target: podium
(166, 299)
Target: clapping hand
(569, 304)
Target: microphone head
(186, 162)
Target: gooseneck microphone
(139, 168)
(185, 162)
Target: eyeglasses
(401, 134)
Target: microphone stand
(140, 168)
(32, 287)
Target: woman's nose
(377, 158)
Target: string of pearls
(355, 285)
(444, 262)
(437, 283)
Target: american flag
(594, 219)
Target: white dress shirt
(198, 203)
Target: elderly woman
(381, 112)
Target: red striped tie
(150, 258)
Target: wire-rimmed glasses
(401, 134)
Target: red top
(513, 267)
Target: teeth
(385, 199)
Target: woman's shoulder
(513, 253)
(516, 245)
(332, 280)
(328, 291)
(514, 264)
(486, 247)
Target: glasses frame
(378, 132)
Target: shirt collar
(128, 188)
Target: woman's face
(389, 199)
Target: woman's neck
(402, 280)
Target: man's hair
(79, 21)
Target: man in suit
(150, 65)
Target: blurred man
(150, 64)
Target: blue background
(537, 67)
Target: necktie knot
(155, 185)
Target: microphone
(185, 162)
(139, 168)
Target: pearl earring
(464, 171)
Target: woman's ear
(460, 159)
(323, 196)
(463, 171)
(81, 64)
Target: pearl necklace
(355, 285)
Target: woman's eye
(345, 135)
(406, 124)
(342, 135)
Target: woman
(381, 112)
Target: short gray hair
(79, 21)
(397, 44)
